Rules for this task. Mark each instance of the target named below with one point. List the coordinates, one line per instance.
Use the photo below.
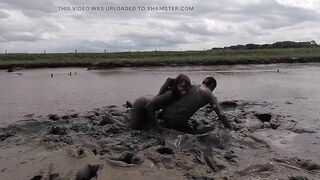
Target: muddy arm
(166, 86)
(217, 108)
(157, 103)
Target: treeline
(283, 44)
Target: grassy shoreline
(159, 58)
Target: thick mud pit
(99, 145)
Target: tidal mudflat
(275, 116)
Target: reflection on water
(36, 92)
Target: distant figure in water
(143, 112)
(278, 70)
(51, 75)
(10, 70)
(75, 73)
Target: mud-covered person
(177, 114)
(143, 112)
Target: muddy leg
(138, 114)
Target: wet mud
(98, 144)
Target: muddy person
(178, 105)
(143, 112)
(177, 114)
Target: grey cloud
(189, 27)
(134, 42)
(268, 14)
(212, 22)
(34, 30)
(201, 28)
(3, 15)
(274, 15)
(19, 36)
(31, 8)
(155, 41)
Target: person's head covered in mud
(144, 110)
(181, 85)
(210, 82)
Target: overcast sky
(35, 25)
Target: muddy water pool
(34, 91)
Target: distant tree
(282, 44)
(313, 42)
(236, 47)
(252, 46)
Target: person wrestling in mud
(143, 112)
(179, 103)
(177, 114)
